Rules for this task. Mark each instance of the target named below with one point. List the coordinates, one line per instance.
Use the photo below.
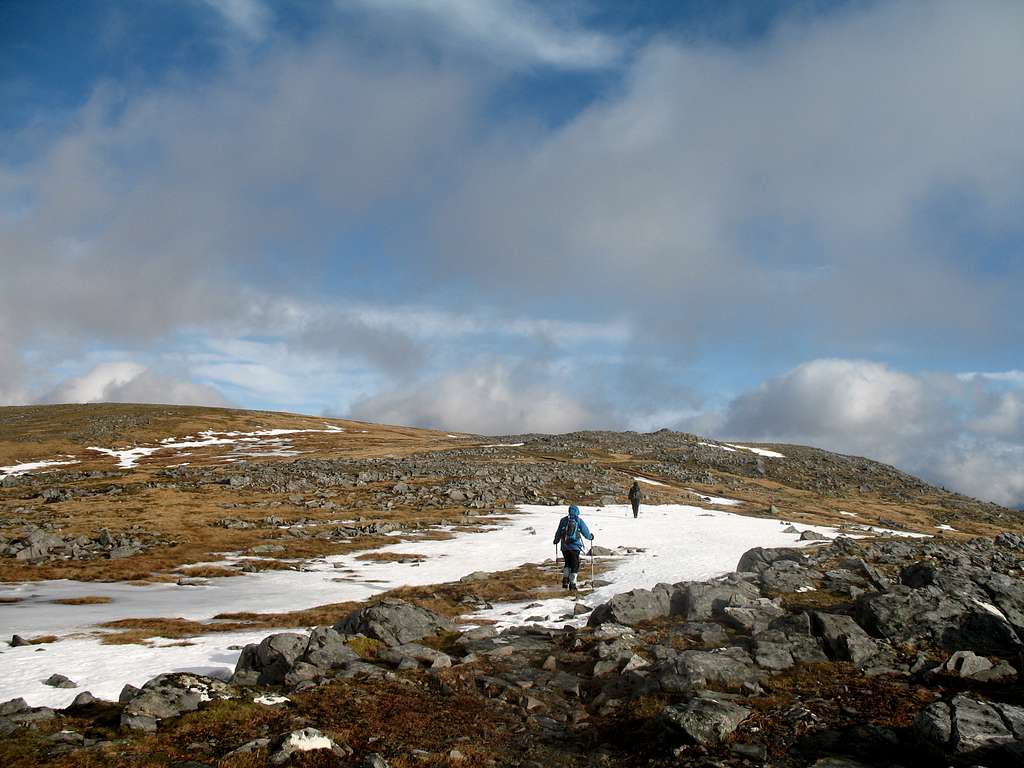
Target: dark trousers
(636, 506)
(572, 559)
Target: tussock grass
(84, 600)
(389, 557)
(209, 571)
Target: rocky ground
(171, 511)
(876, 652)
(870, 653)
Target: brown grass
(84, 600)
(389, 557)
(209, 571)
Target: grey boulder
(633, 607)
(394, 622)
(843, 638)
(705, 721)
(973, 729)
(170, 695)
(269, 661)
(904, 615)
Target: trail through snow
(680, 541)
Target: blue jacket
(576, 542)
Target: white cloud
(959, 433)
(1013, 377)
(195, 188)
(515, 30)
(130, 382)
(249, 17)
(779, 183)
(484, 399)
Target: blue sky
(780, 221)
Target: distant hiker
(570, 534)
(635, 496)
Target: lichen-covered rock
(394, 622)
(951, 621)
(706, 600)
(633, 607)
(705, 721)
(170, 695)
(975, 730)
(327, 649)
(759, 558)
(726, 669)
(843, 638)
(270, 660)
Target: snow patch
(720, 500)
(891, 532)
(945, 527)
(722, 447)
(649, 481)
(758, 451)
(30, 466)
(270, 700)
(503, 445)
(256, 444)
(990, 608)
(306, 740)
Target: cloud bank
(966, 433)
(128, 382)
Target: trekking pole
(591, 567)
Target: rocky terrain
(175, 508)
(871, 653)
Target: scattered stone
(843, 638)
(305, 740)
(59, 681)
(706, 721)
(83, 699)
(809, 535)
(966, 664)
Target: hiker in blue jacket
(570, 534)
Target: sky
(779, 221)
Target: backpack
(571, 529)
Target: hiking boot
(565, 583)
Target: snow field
(681, 542)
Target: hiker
(635, 495)
(570, 534)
